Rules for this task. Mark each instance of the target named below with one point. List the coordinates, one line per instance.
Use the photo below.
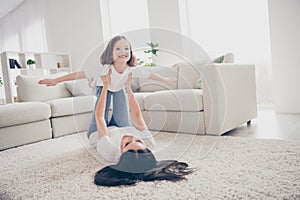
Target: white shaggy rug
(228, 168)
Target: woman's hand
(128, 83)
(106, 78)
(48, 82)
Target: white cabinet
(15, 63)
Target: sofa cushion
(219, 59)
(147, 85)
(140, 98)
(226, 58)
(21, 113)
(174, 100)
(71, 105)
(29, 89)
(79, 87)
(188, 76)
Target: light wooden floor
(270, 125)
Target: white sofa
(24, 123)
(71, 108)
(45, 112)
(227, 98)
(210, 99)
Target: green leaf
(154, 51)
(151, 45)
(30, 62)
(141, 62)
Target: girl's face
(121, 51)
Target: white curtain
(23, 28)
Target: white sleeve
(93, 139)
(105, 70)
(140, 72)
(94, 72)
(107, 150)
(147, 137)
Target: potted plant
(1, 81)
(30, 63)
(151, 55)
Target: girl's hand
(170, 81)
(106, 78)
(48, 82)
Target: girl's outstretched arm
(140, 72)
(68, 77)
(167, 80)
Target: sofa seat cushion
(22, 113)
(71, 105)
(140, 98)
(174, 100)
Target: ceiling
(8, 5)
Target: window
(119, 16)
(241, 27)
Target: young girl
(129, 148)
(119, 58)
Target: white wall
(285, 46)
(73, 26)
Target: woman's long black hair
(140, 165)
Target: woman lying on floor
(129, 148)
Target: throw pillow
(28, 89)
(134, 86)
(226, 58)
(198, 84)
(219, 59)
(79, 87)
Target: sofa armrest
(229, 94)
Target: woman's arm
(167, 80)
(100, 107)
(134, 107)
(68, 77)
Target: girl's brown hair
(107, 56)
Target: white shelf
(45, 64)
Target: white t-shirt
(109, 147)
(117, 80)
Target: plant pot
(32, 66)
